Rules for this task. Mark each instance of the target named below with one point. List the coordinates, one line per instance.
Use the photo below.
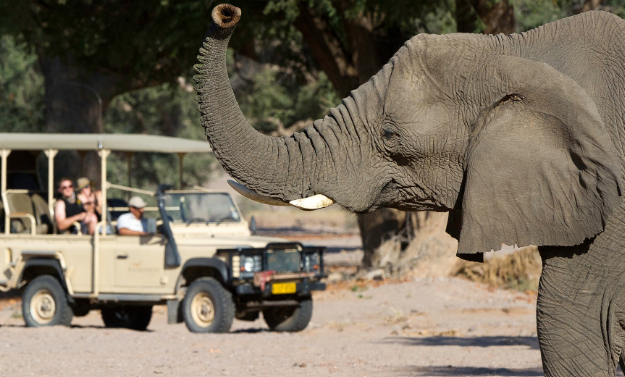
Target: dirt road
(429, 327)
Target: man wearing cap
(133, 223)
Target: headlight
(250, 263)
(311, 262)
(247, 264)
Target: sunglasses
(66, 187)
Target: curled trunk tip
(226, 16)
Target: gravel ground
(427, 327)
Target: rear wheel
(207, 307)
(132, 317)
(45, 303)
(289, 318)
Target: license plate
(283, 288)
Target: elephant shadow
(476, 341)
(469, 371)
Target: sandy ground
(427, 327)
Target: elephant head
(515, 149)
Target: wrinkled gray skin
(521, 137)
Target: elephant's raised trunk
(260, 162)
(283, 169)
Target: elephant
(521, 138)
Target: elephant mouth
(395, 195)
(310, 203)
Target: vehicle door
(139, 263)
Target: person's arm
(98, 202)
(128, 232)
(63, 222)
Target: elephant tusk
(255, 196)
(312, 202)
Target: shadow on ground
(476, 341)
(467, 371)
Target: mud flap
(174, 313)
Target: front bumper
(303, 288)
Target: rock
(375, 274)
(335, 277)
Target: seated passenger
(68, 210)
(133, 223)
(90, 200)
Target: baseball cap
(136, 202)
(82, 182)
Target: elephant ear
(541, 167)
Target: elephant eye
(388, 133)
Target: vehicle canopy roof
(112, 142)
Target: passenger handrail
(119, 209)
(21, 215)
(131, 189)
(78, 227)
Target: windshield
(201, 207)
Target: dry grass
(519, 270)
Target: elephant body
(521, 138)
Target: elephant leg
(579, 315)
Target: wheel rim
(43, 307)
(202, 309)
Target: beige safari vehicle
(202, 261)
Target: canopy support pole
(51, 153)
(4, 154)
(129, 167)
(103, 153)
(180, 158)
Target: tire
(44, 303)
(131, 317)
(289, 318)
(207, 307)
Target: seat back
(45, 219)
(18, 202)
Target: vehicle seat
(43, 216)
(22, 204)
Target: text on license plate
(283, 288)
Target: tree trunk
(75, 103)
(589, 5)
(498, 16)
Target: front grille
(281, 261)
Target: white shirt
(129, 221)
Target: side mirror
(253, 225)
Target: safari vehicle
(203, 263)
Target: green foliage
(21, 97)
(146, 42)
(270, 102)
(533, 13)
(167, 110)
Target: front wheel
(45, 303)
(289, 318)
(128, 317)
(207, 307)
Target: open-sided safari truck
(202, 262)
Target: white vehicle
(202, 262)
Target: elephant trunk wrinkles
(278, 167)
(285, 168)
